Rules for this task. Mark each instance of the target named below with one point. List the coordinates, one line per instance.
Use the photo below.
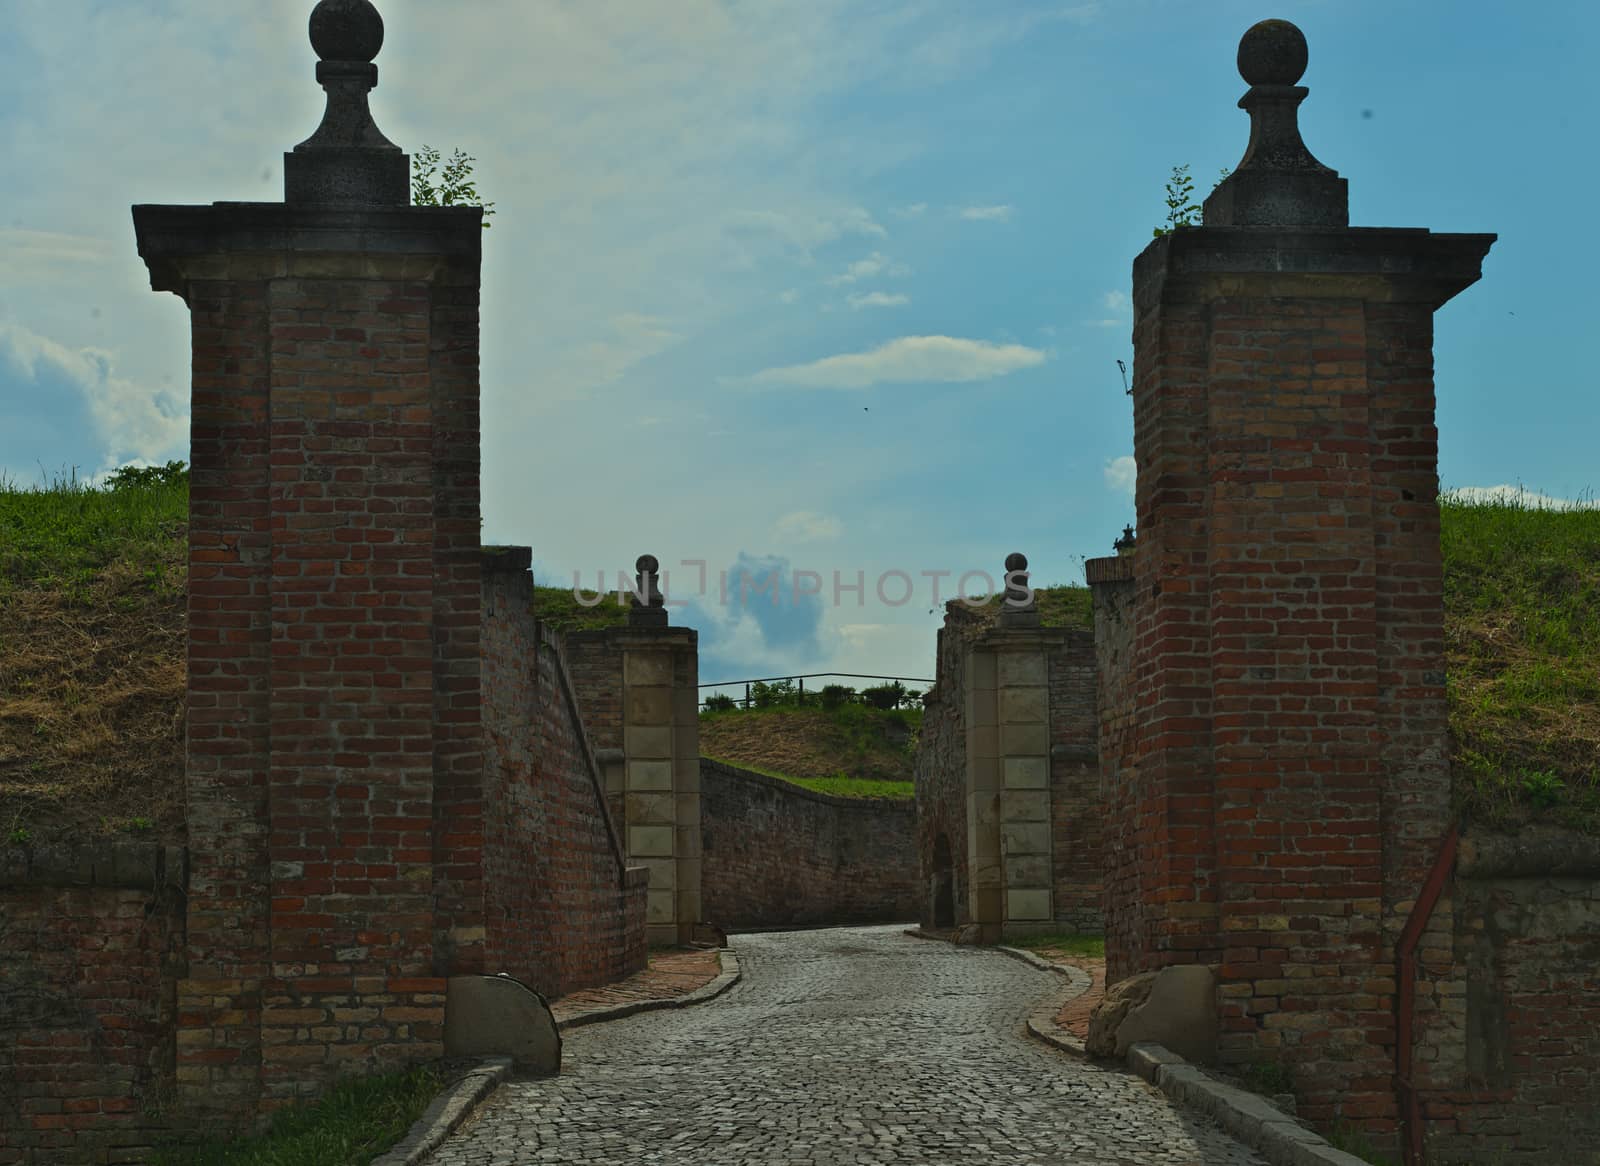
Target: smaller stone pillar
(661, 758)
(1008, 769)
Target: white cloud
(909, 359)
(1116, 302)
(1122, 473)
(996, 214)
(133, 423)
(1519, 496)
(788, 295)
(794, 235)
(878, 300)
(910, 210)
(32, 256)
(806, 526)
(871, 267)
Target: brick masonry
(89, 941)
(776, 855)
(563, 909)
(1508, 1002)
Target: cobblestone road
(858, 1045)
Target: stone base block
(499, 1016)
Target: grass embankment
(92, 657)
(851, 751)
(559, 608)
(1522, 639)
(354, 1122)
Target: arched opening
(944, 884)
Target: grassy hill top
(849, 751)
(92, 669)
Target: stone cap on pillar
(652, 613)
(346, 194)
(347, 161)
(1020, 609)
(1278, 183)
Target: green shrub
(834, 695)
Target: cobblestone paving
(856, 1045)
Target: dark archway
(944, 884)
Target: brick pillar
(661, 760)
(334, 753)
(1285, 781)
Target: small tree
(1182, 210)
(455, 184)
(720, 702)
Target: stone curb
(727, 978)
(1042, 1020)
(446, 1112)
(1276, 1136)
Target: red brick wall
(226, 708)
(1077, 813)
(1114, 588)
(1282, 785)
(562, 912)
(86, 1026)
(1507, 1051)
(335, 752)
(774, 854)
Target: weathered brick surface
(335, 752)
(1507, 1053)
(940, 768)
(562, 913)
(1077, 815)
(1112, 582)
(775, 854)
(1281, 783)
(87, 1007)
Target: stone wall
(1508, 1002)
(776, 855)
(89, 941)
(562, 909)
(1056, 817)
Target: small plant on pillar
(455, 184)
(1182, 210)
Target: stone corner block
(496, 1015)
(1180, 1013)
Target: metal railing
(800, 696)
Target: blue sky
(821, 285)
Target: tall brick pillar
(1282, 782)
(334, 757)
(660, 771)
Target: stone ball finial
(346, 30)
(1016, 561)
(1273, 52)
(647, 565)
